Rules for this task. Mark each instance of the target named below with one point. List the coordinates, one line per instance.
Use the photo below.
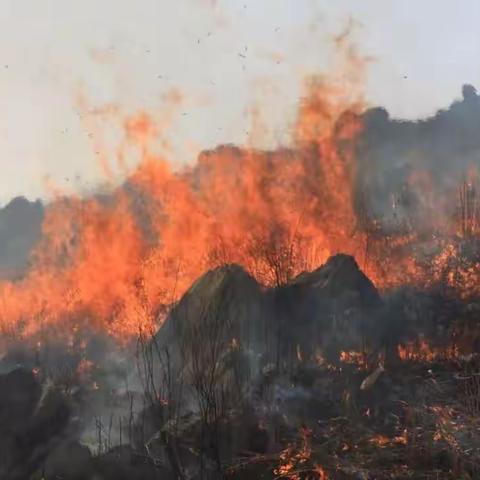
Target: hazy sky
(224, 56)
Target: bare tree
(163, 397)
(212, 359)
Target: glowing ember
(355, 358)
(322, 474)
(382, 441)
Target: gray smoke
(410, 171)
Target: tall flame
(110, 263)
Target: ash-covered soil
(322, 378)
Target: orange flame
(422, 351)
(353, 357)
(111, 263)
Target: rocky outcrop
(216, 333)
(331, 309)
(228, 322)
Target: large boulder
(218, 328)
(33, 419)
(69, 461)
(229, 323)
(332, 309)
(230, 340)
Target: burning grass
(392, 400)
(423, 431)
(114, 263)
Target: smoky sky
(401, 162)
(131, 54)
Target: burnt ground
(418, 421)
(323, 378)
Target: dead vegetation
(223, 395)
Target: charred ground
(243, 381)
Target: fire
(322, 474)
(296, 461)
(382, 441)
(422, 351)
(115, 263)
(353, 357)
(111, 264)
